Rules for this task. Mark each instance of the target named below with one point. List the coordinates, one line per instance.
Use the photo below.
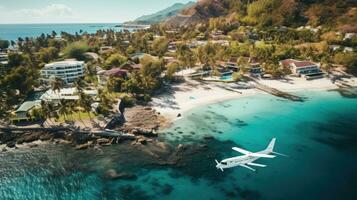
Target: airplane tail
(270, 147)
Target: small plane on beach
(248, 158)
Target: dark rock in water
(179, 115)
(117, 120)
(134, 192)
(145, 132)
(208, 137)
(3, 149)
(27, 138)
(142, 141)
(11, 144)
(103, 141)
(83, 146)
(248, 193)
(167, 189)
(46, 137)
(7, 136)
(32, 145)
(81, 138)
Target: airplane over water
(248, 158)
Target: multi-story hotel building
(68, 71)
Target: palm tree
(38, 114)
(57, 84)
(71, 106)
(85, 101)
(80, 84)
(63, 108)
(47, 110)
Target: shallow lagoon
(319, 135)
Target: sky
(78, 11)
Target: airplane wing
(261, 155)
(242, 151)
(256, 164)
(247, 167)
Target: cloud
(53, 10)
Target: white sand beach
(192, 93)
(293, 84)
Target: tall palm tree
(47, 110)
(71, 106)
(57, 84)
(80, 84)
(63, 108)
(85, 101)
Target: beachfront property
(22, 113)
(104, 75)
(68, 71)
(70, 94)
(306, 69)
(4, 59)
(231, 64)
(252, 65)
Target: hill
(162, 14)
(340, 14)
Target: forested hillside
(341, 14)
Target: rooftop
(297, 63)
(115, 72)
(28, 105)
(65, 63)
(65, 93)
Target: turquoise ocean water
(319, 136)
(14, 31)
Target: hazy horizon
(78, 12)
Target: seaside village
(84, 81)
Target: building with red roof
(306, 69)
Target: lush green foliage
(115, 60)
(76, 50)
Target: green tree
(115, 60)
(160, 46)
(63, 108)
(172, 68)
(76, 50)
(46, 55)
(349, 60)
(4, 44)
(185, 56)
(57, 84)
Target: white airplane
(248, 158)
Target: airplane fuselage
(248, 158)
(237, 161)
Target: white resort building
(306, 69)
(70, 94)
(68, 71)
(4, 59)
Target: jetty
(274, 91)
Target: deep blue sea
(318, 135)
(14, 31)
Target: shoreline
(193, 94)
